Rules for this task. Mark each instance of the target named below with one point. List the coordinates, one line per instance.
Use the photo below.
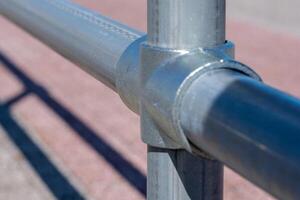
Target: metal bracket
(155, 85)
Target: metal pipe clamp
(155, 85)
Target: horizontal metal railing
(251, 127)
(92, 41)
(238, 120)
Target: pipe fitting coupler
(155, 85)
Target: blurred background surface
(63, 135)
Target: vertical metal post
(184, 24)
(179, 175)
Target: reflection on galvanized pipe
(179, 24)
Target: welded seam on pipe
(92, 18)
(93, 42)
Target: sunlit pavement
(66, 136)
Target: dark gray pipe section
(252, 128)
(177, 174)
(92, 41)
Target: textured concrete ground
(282, 16)
(17, 178)
(66, 136)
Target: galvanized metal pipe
(186, 24)
(252, 128)
(92, 41)
(177, 174)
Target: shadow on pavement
(55, 181)
(35, 156)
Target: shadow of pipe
(57, 183)
(129, 172)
